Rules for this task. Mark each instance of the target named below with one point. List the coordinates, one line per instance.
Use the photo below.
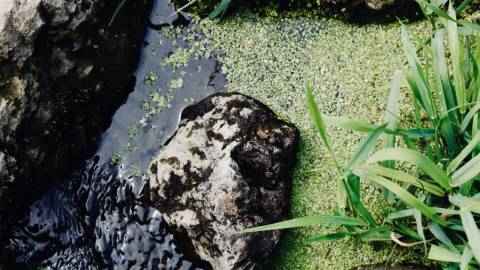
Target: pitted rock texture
(227, 168)
(63, 72)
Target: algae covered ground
(271, 58)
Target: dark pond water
(99, 218)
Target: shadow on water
(100, 217)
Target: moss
(271, 59)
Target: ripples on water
(99, 218)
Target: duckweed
(271, 58)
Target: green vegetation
(428, 166)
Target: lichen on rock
(226, 168)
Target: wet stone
(227, 168)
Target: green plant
(438, 206)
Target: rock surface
(227, 168)
(63, 72)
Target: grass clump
(436, 204)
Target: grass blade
(350, 124)
(328, 237)
(406, 197)
(319, 123)
(467, 172)
(392, 111)
(414, 157)
(468, 117)
(448, 100)
(440, 234)
(365, 148)
(466, 203)
(352, 185)
(416, 77)
(472, 232)
(403, 177)
(454, 164)
(441, 254)
(467, 256)
(220, 9)
(456, 57)
(324, 220)
(376, 234)
(401, 214)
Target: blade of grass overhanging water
(403, 177)
(441, 254)
(320, 220)
(350, 124)
(406, 197)
(329, 237)
(366, 146)
(319, 123)
(376, 234)
(414, 157)
(352, 186)
(472, 232)
(220, 9)
(392, 111)
(454, 164)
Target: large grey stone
(227, 168)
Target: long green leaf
(320, 220)
(437, 10)
(468, 117)
(329, 237)
(467, 256)
(456, 57)
(392, 111)
(440, 234)
(467, 203)
(473, 234)
(406, 197)
(467, 172)
(400, 214)
(448, 99)
(414, 157)
(438, 253)
(350, 124)
(319, 123)
(220, 9)
(417, 78)
(376, 234)
(454, 164)
(403, 177)
(365, 148)
(352, 186)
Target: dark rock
(63, 73)
(227, 168)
